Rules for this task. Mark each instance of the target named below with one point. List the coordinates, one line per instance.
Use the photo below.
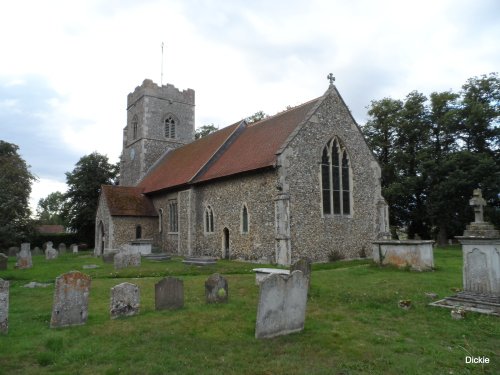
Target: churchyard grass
(353, 324)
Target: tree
(205, 130)
(84, 185)
(15, 182)
(50, 209)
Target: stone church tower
(159, 119)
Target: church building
(301, 183)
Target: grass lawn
(353, 324)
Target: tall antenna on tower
(161, 80)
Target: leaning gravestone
(50, 252)
(282, 305)
(71, 298)
(169, 294)
(61, 248)
(125, 300)
(216, 289)
(3, 261)
(24, 257)
(127, 258)
(4, 306)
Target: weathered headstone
(282, 305)
(169, 294)
(216, 289)
(37, 251)
(127, 258)
(4, 306)
(61, 248)
(24, 257)
(74, 248)
(304, 265)
(50, 252)
(71, 296)
(3, 261)
(125, 300)
(13, 250)
(109, 256)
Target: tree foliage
(84, 185)
(434, 151)
(15, 182)
(257, 116)
(205, 130)
(50, 209)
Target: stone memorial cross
(477, 201)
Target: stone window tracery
(173, 216)
(335, 179)
(170, 124)
(209, 220)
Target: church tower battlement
(159, 118)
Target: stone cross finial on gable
(331, 78)
(477, 201)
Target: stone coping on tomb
(402, 242)
(262, 273)
(478, 238)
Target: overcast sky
(67, 66)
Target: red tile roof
(50, 228)
(235, 149)
(127, 201)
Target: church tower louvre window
(170, 124)
(335, 179)
(135, 127)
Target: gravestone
(4, 306)
(216, 289)
(37, 251)
(74, 248)
(50, 252)
(127, 258)
(282, 305)
(169, 294)
(71, 297)
(125, 300)
(109, 256)
(3, 261)
(24, 257)
(481, 265)
(61, 248)
(304, 265)
(13, 250)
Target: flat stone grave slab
(200, 261)
(159, 257)
(71, 300)
(262, 273)
(480, 303)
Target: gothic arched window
(335, 179)
(244, 219)
(209, 220)
(170, 124)
(135, 127)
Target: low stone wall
(416, 254)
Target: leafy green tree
(15, 182)
(84, 184)
(50, 209)
(205, 130)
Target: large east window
(335, 179)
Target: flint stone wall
(4, 306)
(125, 300)
(282, 305)
(71, 296)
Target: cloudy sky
(67, 66)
